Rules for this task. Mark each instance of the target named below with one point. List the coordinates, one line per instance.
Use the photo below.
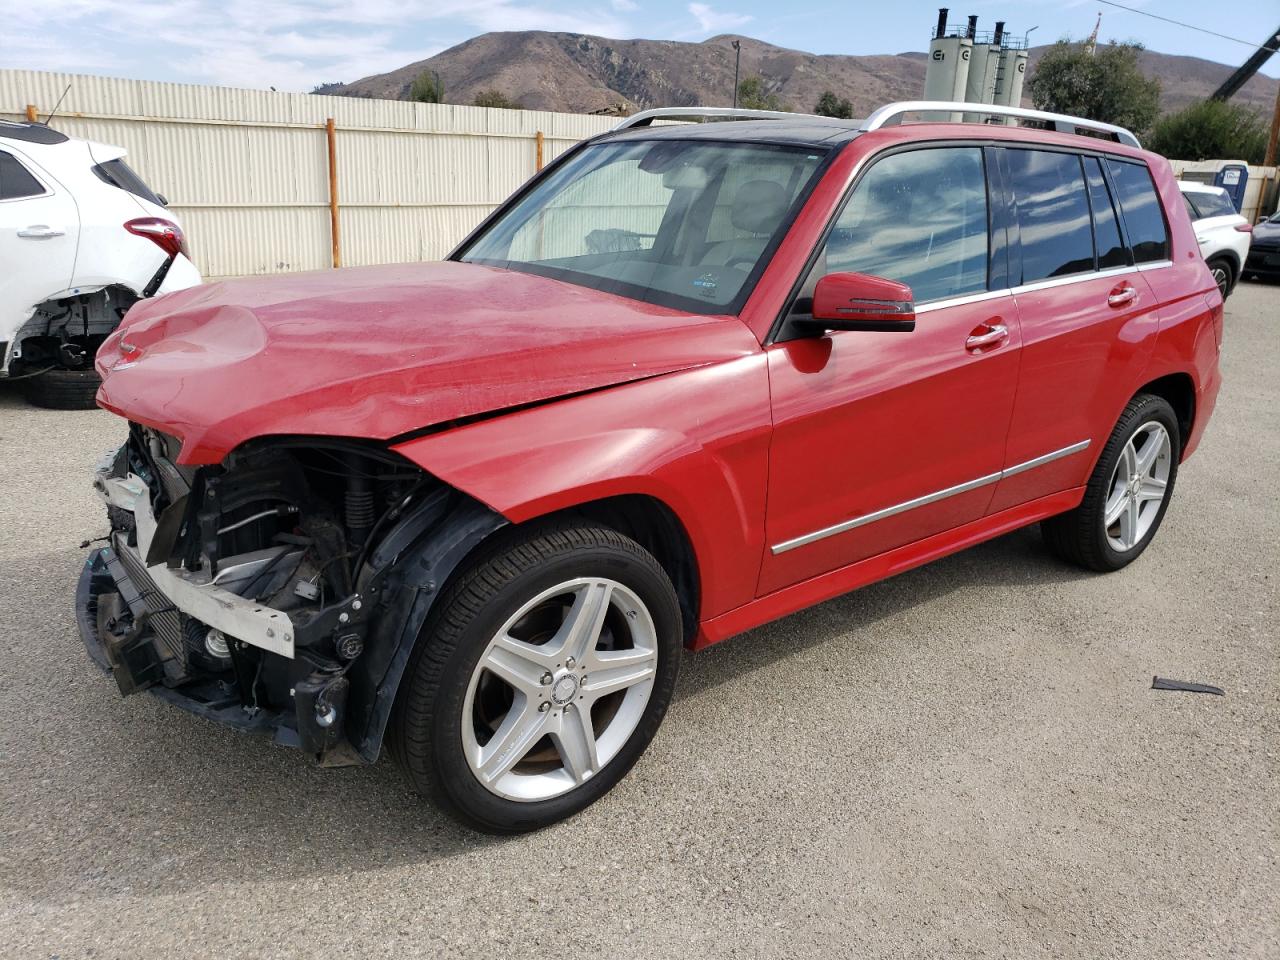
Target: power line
(1189, 26)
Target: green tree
(752, 95)
(427, 88)
(1106, 85)
(495, 98)
(829, 105)
(1211, 130)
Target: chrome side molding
(927, 499)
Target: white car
(1223, 234)
(82, 238)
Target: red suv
(691, 378)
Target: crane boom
(1247, 69)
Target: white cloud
(624, 6)
(714, 21)
(287, 44)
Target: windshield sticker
(706, 283)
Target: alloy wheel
(1220, 277)
(1138, 486)
(560, 689)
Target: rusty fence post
(333, 191)
(538, 140)
(32, 116)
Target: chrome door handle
(1122, 296)
(40, 231)
(994, 334)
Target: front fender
(696, 440)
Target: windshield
(686, 224)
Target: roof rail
(892, 114)
(645, 117)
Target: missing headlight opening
(249, 591)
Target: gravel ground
(964, 761)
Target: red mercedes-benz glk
(689, 379)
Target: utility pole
(1270, 158)
(737, 60)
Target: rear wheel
(541, 677)
(60, 389)
(1223, 274)
(1128, 492)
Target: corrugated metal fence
(247, 171)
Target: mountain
(577, 73)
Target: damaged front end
(279, 592)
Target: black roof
(31, 132)
(815, 132)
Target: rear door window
(1052, 213)
(1140, 209)
(16, 181)
(919, 218)
(1106, 226)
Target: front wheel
(1128, 492)
(541, 677)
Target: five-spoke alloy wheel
(541, 676)
(1127, 493)
(571, 670)
(1138, 484)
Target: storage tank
(947, 75)
(981, 85)
(1013, 70)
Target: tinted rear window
(1140, 208)
(1106, 228)
(1053, 214)
(120, 174)
(1211, 205)
(16, 181)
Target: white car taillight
(165, 234)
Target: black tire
(426, 725)
(1079, 535)
(1227, 283)
(60, 389)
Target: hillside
(577, 73)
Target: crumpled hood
(376, 352)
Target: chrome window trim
(1051, 282)
(927, 499)
(962, 300)
(1037, 285)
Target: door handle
(986, 334)
(1121, 295)
(40, 231)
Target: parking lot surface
(964, 761)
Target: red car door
(1086, 312)
(883, 438)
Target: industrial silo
(947, 75)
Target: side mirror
(858, 301)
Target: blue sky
(294, 45)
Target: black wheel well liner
(1232, 259)
(655, 526)
(433, 543)
(1180, 391)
